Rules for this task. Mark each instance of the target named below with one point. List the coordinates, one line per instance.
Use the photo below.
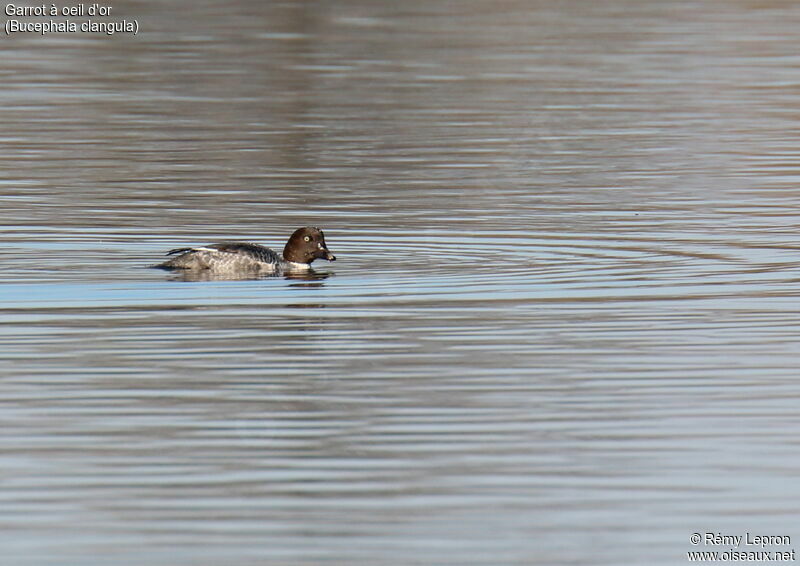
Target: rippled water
(562, 327)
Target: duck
(304, 246)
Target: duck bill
(328, 255)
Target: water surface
(562, 324)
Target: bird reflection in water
(303, 278)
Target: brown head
(306, 245)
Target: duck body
(304, 246)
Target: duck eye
(307, 238)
